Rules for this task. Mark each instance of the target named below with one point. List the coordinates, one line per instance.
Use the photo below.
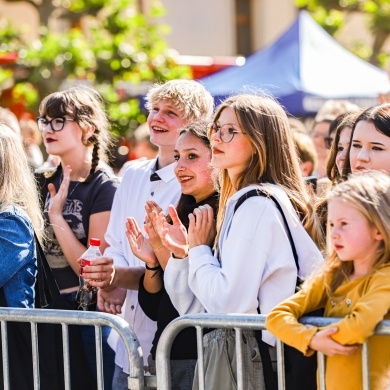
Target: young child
(354, 283)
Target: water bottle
(87, 295)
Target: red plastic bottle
(87, 295)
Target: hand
(174, 237)
(58, 199)
(100, 272)
(111, 300)
(323, 342)
(139, 244)
(154, 239)
(202, 228)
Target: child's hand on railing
(322, 342)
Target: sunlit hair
(274, 159)
(86, 107)
(17, 184)
(379, 116)
(188, 96)
(369, 193)
(347, 120)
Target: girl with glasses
(250, 266)
(77, 195)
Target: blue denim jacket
(18, 257)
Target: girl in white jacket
(251, 265)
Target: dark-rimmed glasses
(226, 131)
(56, 124)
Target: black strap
(259, 192)
(270, 377)
(46, 288)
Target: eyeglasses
(56, 124)
(226, 132)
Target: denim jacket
(19, 260)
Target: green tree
(109, 44)
(330, 14)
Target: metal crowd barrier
(69, 317)
(238, 323)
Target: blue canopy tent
(302, 69)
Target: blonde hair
(188, 96)
(86, 107)
(17, 184)
(369, 193)
(274, 159)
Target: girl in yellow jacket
(353, 285)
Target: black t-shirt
(84, 199)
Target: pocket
(230, 358)
(219, 362)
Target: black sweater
(158, 306)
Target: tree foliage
(109, 44)
(330, 14)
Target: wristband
(152, 269)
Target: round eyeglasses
(226, 131)
(56, 124)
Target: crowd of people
(242, 210)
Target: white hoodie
(256, 266)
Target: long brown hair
(274, 159)
(345, 120)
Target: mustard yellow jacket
(361, 303)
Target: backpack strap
(259, 192)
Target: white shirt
(130, 199)
(256, 266)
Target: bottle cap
(94, 241)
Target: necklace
(74, 188)
(71, 192)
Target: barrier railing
(137, 380)
(238, 323)
(69, 317)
